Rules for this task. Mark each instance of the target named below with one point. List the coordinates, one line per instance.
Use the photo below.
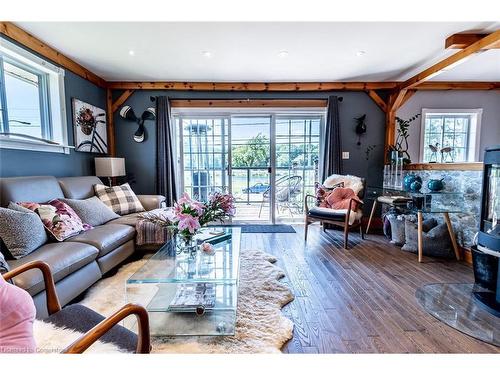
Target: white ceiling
(246, 52)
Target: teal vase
(435, 184)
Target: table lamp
(109, 167)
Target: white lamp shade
(109, 167)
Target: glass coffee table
(190, 294)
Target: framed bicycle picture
(90, 128)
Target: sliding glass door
(297, 156)
(251, 167)
(203, 148)
(268, 161)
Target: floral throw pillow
(58, 218)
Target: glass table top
(433, 201)
(167, 267)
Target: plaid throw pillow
(121, 199)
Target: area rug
(260, 326)
(276, 228)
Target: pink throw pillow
(17, 314)
(58, 218)
(339, 199)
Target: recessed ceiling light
(207, 54)
(131, 52)
(360, 53)
(283, 54)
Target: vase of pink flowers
(188, 215)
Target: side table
(441, 202)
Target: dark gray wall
(489, 101)
(28, 163)
(141, 157)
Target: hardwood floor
(361, 300)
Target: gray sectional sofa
(80, 261)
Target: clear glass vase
(186, 244)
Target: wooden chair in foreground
(93, 325)
(339, 218)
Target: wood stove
(487, 256)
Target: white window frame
(473, 141)
(57, 100)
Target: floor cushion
(435, 241)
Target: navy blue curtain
(165, 162)
(332, 149)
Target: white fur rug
(260, 325)
(52, 340)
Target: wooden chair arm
(143, 339)
(351, 201)
(53, 305)
(305, 201)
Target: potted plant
(400, 148)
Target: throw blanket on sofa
(149, 233)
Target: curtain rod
(153, 98)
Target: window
(450, 135)
(32, 105)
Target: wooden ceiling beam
(298, 86)
(397, 100)
(407, 96)
(251, 103)
(121, 99)
(445, 85)
(461, 41)
(19, 35)
(377, 99)
(254, 86)
(449, 62)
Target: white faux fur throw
(51, 339)
(353, 182)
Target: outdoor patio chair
(287, 188)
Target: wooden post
(390, 132)
(110, 122)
